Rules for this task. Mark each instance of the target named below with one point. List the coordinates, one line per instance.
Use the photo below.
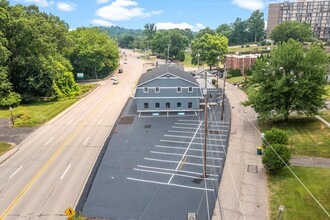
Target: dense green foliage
(211, 49)
(291, 79)
(291, 29)
(275, 136)
(275, 157)
(93, 53)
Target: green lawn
(84, 88)
(250, 48)
(285, 190)
(327, 87)
(326, 115)
(236, 79)
(187, 60)
(30, 115)
(4, 147)
(307, 136)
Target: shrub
(229, 76)
(247, 45)
(181, 56)
(214, 81)
(275, 136)
(272, 161)
(235, 72)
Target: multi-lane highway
(48, 172)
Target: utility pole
(205, 126)
(11, 115)
(223, 92)
(168, 53)
(198, 55)
(218, 71)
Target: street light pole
(11, 115)
(205, 126)
(198, 59)
(168, 53)
(218, 72)
(223, 92)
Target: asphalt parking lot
(153, 168)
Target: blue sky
(166, 14)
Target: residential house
(167, 89)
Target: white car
(114, 78)
(114, 82)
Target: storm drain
(126, 120)
(252, 169)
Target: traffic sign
(80, 75)
(70, 212)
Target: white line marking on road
(173, 170)
(174, 154)
(185, 142)
(109, 108)
(171, 184)
(100, 121)
(15, 172)
(49, 141)
(190, 128)
(169, 181)
(187, 163)
(214, 122)
(179, 136)
(70, 122)
(66, 171)
(86, 141)
(192, 149)
(192, 132)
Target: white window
(179, 89)
(157, 89)
(145, 89)
(190, 89)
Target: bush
(235, 72)
(181, 56)
(272, 161)
(229, 76)
(275, 136)
(247, 45)
(214, 81)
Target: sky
(134, 14)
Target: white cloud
(123, 10)
(66, 6)
(102, 1)
(249, 4)
(101, 22)
(41, 3)
(184, 25)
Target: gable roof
(163, 69)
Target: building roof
(244, 56)
(163, 69)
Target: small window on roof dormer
(190, 89)
(157, 89)
(179, 89)
(145, 89)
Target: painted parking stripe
(179, 136)
(185, 142)
(191, 132)
(218, 122)
(186, 163)
(192, 149)
(190, 128)
(170, 184)
(175, 174)
(173, 170)
(187, 155)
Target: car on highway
(115, 81)
(125, 61)
(114, 78)
(120, 70)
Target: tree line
(39, 55)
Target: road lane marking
(66, 171)
(86, 141)
(15, 172)
(109, 108)
(70, 122)
(49, 141)
(100, 121)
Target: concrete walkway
(324, 121)
(310, 162)
(243, 188)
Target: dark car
(120, 70)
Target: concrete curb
(8, 154)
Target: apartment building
(241, 62)
(316, 13)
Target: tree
(204, 31)
(272, 157)
(149, 32)
(292, 79)
(275, 136)
(256, 25)
(210, 47)
(240, 33)
(225, 30)
(291, 29)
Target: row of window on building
(167, 105)
(157, 89)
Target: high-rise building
(316, 13)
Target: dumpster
(259, 150)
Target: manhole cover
(252, 169)
(126, 120)
(147, 126)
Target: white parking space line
(192, 149)
(100, 121)
(171, 161)
(179, 136)
(181, 171)
(178, 127)
(86, 141)
(175, 174)
(15, 172)
(170, 184)
(66, 171)
(191, 132)
(217, 122)
(70, 122)
(187, 155)
(49, 141)
(185, 142)
(178, 123)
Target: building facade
(241, 62)
(167, 89)
(316, 13)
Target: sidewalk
(310, 162)
(243, 188)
